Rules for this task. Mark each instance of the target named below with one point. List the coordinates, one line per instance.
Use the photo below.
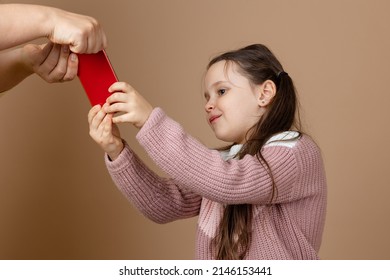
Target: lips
(213, 118)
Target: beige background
(56, 198)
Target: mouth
(213, 119)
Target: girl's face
(232, 102)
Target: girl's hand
(104, 132)
(126, 100)
(52, 62)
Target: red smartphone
(96, 75)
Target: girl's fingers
(119, 86)
(115, 108)
(93, 112)
(97, 120)
(117, 97)
(119, 119)
(107, 128)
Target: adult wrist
(48, 16)
(23, 61)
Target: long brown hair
(258, 64)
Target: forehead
(223, 71)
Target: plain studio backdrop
(57, 200)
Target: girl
(264, 197)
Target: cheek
(245, 116)
(227, 105)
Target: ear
(266, 92)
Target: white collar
(286, 139)
(232, 152)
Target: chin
(225, 138)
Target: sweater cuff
(155, 118)
(121, 162)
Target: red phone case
(96, 75)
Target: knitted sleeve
(202, 170)
(159, 199)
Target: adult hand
(82, 33)
(52, 62)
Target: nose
(209, 106)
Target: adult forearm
(12, 69)
(20, 23)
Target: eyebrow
(214, 85)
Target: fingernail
(73, 57)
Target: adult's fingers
(58, 73)
(48, 65)
(72, 67)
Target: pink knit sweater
(202, 181)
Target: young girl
(264, 197)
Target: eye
(221, 91)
